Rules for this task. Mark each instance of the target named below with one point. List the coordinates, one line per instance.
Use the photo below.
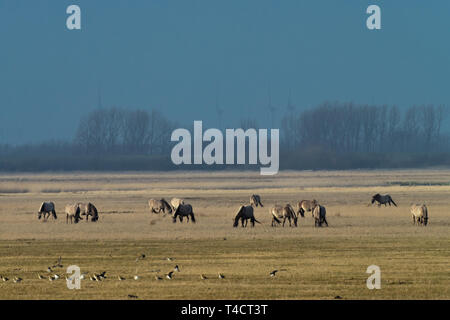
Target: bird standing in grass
(136, 277)
(221, 276)
(176, 268)
(203, 277)
(4, 279)
(274, 272)
(158, 277)
(121, 278)
(17, 280)
(169, 275)
(142, 256)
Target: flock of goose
(52, 275)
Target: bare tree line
(121, 131)
(347, 127)
(328, 136)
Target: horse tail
(274, 218)
(392, 201)
(192, 217)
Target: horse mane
(239, 211)
(42, 207)
(236, 219)
(91, 206)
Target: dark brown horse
(383, 200)
(244, 214)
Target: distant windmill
(219, 110)
(290, 107)
(272, 109)
(99, 97)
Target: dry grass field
(320, 263)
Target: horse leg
(284, 220)
(325, 220)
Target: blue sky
(178, 56)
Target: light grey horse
(245, 213)
(319, 214)
(184, 210)
(46, 209)
(175, 202)
(420, 214)
(280, 212)
(88, 209)
(306, 205)
(156, 206)
(255, 200)
(73, 212)
(383, 200)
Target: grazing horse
(419, 214)
(383, 199)
(45, 209)
(73, 212)
(286, 212)
(184, 210)
(306, 205)
(156, 206)
(175, 202)
(255, 200)
(319, 214)
(88, 209)
(245, 213)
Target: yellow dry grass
(320, 263)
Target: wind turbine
(219, 110)
(271, 108)
(290, 107)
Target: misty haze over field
(216, 61)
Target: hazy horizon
(185, 58)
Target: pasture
(320, 263)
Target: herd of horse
(74, 212)
(180, 209)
